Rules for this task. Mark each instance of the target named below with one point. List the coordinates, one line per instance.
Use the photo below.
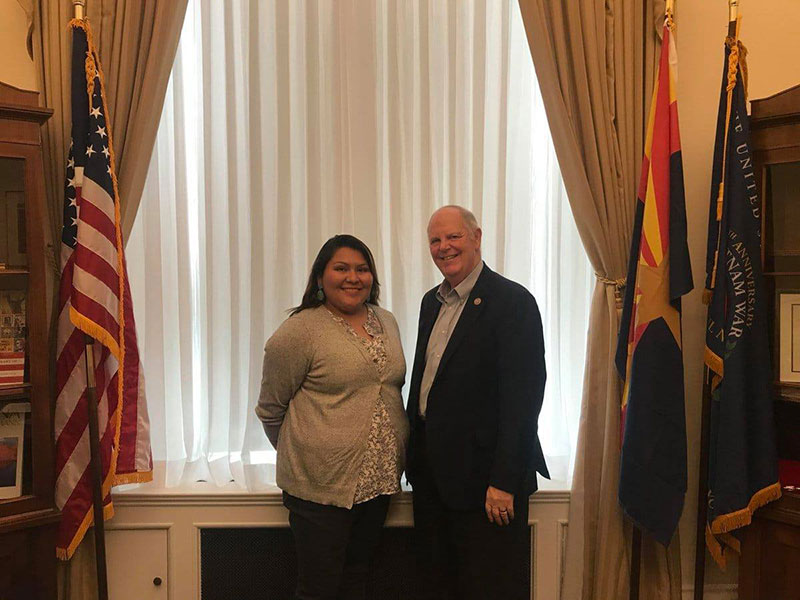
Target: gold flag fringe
(88, 521)
(721, 526)
(715, 549)
(743, 517)
(714, 362)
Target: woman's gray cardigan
(318, 390)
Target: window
(287, 122)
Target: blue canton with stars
(89, 147)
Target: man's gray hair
(467, 215)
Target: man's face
(454, 249)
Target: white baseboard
(719, 591)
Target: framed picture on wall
(789, 329)
(12, 430)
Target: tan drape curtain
(137, 40)
(594, 60)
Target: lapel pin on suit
(477, 301)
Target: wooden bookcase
(771, 545)
(28, 516)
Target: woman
(330, 404)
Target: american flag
(94, 298)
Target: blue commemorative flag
(742, 462)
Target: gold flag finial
(79, 8)
(669, 14)
(733, 10)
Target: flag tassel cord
(733, 64)
(736, 64)
(669, 15)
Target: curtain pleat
(136, 41)
(595, 63)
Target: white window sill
(208, 493)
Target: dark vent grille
(240, 564)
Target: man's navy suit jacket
(483, 406)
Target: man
(476, 392)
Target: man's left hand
(499, 506)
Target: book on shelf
(12, 437)
(13, 251)
(15, 406)
(12, 368)
(12, 337)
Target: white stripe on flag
(73, 470)
(95, 241)
(66, 252)
(102, 409)
(69, 396)
(142, 428)
(65, 328)
(95, 194)
(97, 290)
(111, 366)
(81, 455)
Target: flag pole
(702, 490)
(79, 11)
(636, 563)
(733, 15)
(97, 472)
(705, 419)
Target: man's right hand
(499, 506)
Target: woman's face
(346, 281)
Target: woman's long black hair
(324, 256)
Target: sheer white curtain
(288, 121)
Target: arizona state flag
(652, 482)
(742, 462)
